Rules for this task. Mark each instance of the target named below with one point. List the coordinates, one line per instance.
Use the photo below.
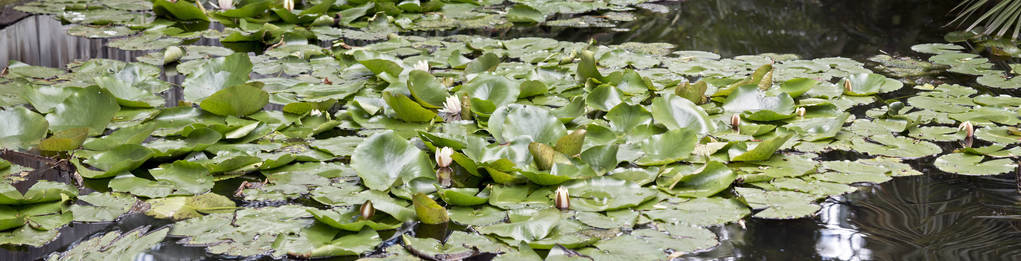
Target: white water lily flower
(226, 4)
(316, 112)
(444, 156)
(563, 199)
(452, 106)
(289, 5)
(421, 65)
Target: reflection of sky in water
(838, 239)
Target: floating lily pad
(383, 159)
(973, 165)
(605, 193)
(114, 245)
(779, 204)
(21, 127)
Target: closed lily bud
(969, 130)
(289, 5)
(444, 157)
(172, 54)
(847, 85)
(226, 4)
(563, 199)
(367, 210)
(801, 112)
(735, 122)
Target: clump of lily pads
(504, 146)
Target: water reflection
(839, 240)
(42, 40)
(811, 28)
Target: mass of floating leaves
(514, 149)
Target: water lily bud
(847, 85)
(969, 130)
(367, 210)
(735, 122)
(226, 4)
(323, 20)
(563, 199)
(289, 5)
(801, 112)
(172, 54)
(444, 156)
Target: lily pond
(505, 130)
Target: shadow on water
(931, 217)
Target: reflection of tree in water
(940, 217)
(810, 28)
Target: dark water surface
(936, 216)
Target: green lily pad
(238, 100)
(186, 177)
(90, 107)
(868, 84)
(429, 212)
(895, 146)
(384, 158)
(349, 219)
(102, 207)
(426, 89)
(114, 245)
(407, 109)
(669, 147)
(1002, 135)
(704, 181)
(464, 196)
(185, 207)
(536, 227)
(779, 204)
(180, 10)
(216, 74)
(21, 127)
(43, 191)
(675, 112)
(512, 121)
(973, 165)
(605, 193)
(762, 151)
(649, 244)
(754, 104)
(119, 159)
(699, 211)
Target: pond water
(930, 217)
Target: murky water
(932, 217)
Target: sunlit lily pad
(605, 193)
